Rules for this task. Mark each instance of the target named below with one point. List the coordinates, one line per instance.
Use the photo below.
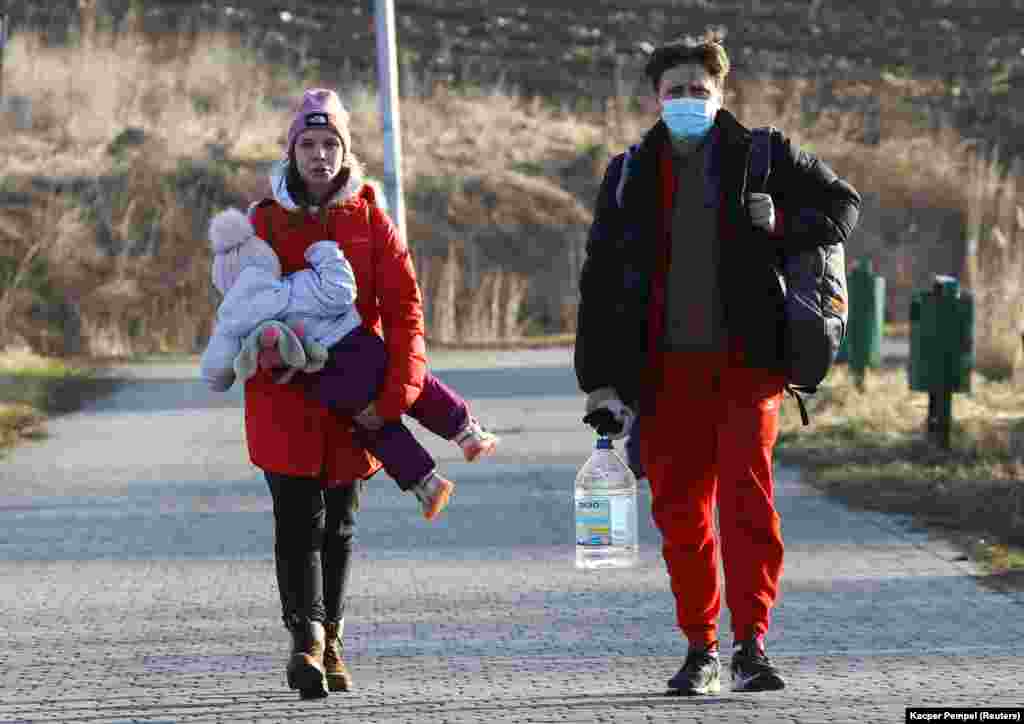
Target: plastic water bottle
(605, 503)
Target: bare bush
(158, 105)
(491, 311)
(191, 91)
(995, 234)
(440, 280)
(459, 309)
(500, 195)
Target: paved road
(135, 565)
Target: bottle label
(593, 520)
(623, 521)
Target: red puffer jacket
(287, 430)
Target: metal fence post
(4, 28)
(387, 93)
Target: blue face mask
(689, 119)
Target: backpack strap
(760, 158)
(795, 392)
(760, 170)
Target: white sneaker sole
(757, 683)
(713, 687)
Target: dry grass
(33, 387)
(870, 449)
(144, 287)
(498, 189)
(26, 380)
(25, 361)
(189, 92)
(126, 269)
(995, 223)
(455, 134)
(19, 422)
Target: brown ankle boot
(338, 677)
(306, 666)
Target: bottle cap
(604, 443)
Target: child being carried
(319, 304)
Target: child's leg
(348, 382)
(404, 458)
(409, 464)
(444, 412)
(353, 373)
(440, 409)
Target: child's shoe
(475, 441)
(433, 493)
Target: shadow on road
(161, 394)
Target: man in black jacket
(679, 322)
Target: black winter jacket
(816, 207)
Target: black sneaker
(751, 669)
(701, 673)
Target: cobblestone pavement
(135, 565)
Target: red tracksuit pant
(709, 439)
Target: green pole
(947, 347)
(867, 312)
(945, 417)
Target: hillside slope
(568, 49)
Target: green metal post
(966, 357)
(867, 316)
(948, 349)
(915, 364)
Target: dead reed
(145, 140)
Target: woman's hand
(369, 418)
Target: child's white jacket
(321, 297)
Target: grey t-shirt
(693, 315)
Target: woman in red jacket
(309, 455)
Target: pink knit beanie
(320, 108)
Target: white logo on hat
(316, 119)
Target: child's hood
(230, 229)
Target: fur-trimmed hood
(279, 186)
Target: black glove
(604, 422)
(607, 414)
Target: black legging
(313, 532)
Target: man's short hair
(708, 52)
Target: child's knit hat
(235, 247)
(320, 108)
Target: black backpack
(813, 284)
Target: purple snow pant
(350, 381)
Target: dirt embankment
(570, 50)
